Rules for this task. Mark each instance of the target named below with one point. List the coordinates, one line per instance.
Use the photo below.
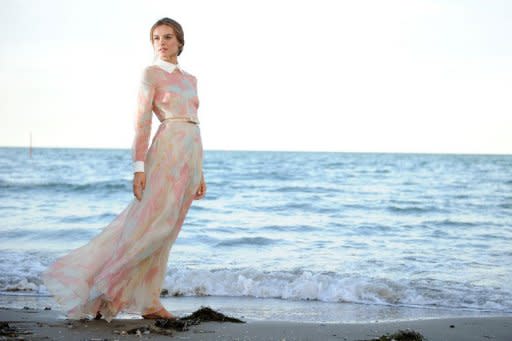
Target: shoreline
(44, 324)
(275, 309)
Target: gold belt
(182, 119)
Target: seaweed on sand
(204, 314)
(401, 335)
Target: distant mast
(30, 149)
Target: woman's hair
(178, 31)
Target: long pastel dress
(123, 267)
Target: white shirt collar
(168, 66)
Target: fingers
(201, 192)
(137, 191)
(139, 184)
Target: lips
(163, 49)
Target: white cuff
(138, 166)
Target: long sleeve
(143, 118)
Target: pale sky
(373, 76)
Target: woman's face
(165, 43)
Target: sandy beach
(37, 324)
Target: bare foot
(160, 314)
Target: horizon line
(284, 151)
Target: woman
(123, 267)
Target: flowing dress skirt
(123, 267)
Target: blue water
(372, 229)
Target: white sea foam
(332, 287)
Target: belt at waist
(183, 119)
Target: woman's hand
(139, 183)
(201, 191)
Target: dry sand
(34, 324)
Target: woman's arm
(143, 118)
(142, 126)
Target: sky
(348, 76)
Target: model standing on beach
(123, 267)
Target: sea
(290, 236)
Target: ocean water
(284, 235)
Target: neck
(173, 59)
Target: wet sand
(36, 324)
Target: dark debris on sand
(139, 331)
(401, 335)
(11, 331)
(178, 324)
(204, 314)
(168, 326)
(208, 314)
